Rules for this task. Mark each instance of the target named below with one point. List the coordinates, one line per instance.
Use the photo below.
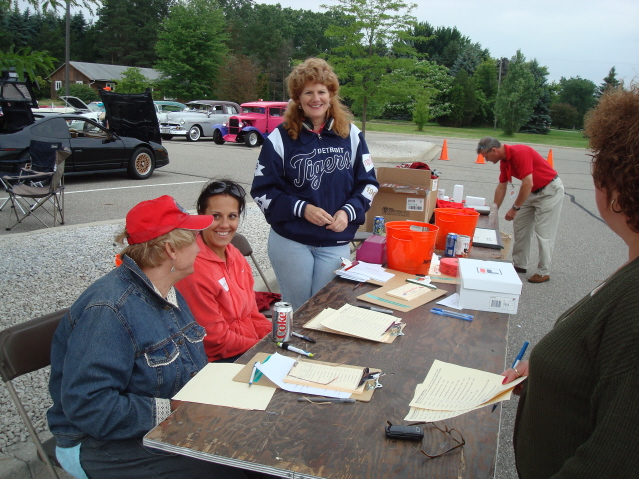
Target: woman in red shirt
(220, 291)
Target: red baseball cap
(153, 218)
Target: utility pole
(498, 85)
(67, 48)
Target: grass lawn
(568, 138)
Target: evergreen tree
(517, 96)
(578, 92)
(609, 82)
(539, 121)
(469, 59)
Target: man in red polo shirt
(536, 208)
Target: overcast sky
(571, 37)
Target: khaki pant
(539, 215)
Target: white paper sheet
(278, 366)
(451, 301)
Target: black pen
(301, 336)
(380, 310)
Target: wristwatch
(516, 208)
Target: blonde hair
(315, 70)
(152, 253)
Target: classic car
(73, 105)
(198, 120)
(164, 107)
(253, 125)
(131, 144)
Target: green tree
(133, 81)
(469, 59)
(564, 115)
(539, 121)
(26, 62)
(464, 104)
(517, 96)
(421, 113)
(83, 92)
(579, 93)
(442, 44)
(241, 80)
(485, 80)
(363, 56)
(128, 31)
(610, 81)
(191, 49)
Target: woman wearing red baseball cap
(127, 345)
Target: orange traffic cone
(480, 159)
(550, 162)
(444, 151)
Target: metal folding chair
(25, 348)
(43, 181)
(241, 243)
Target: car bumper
(230, 137)
(172, 131)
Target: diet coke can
(282, 322)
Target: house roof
(105, 72)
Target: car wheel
(166, 137)
(217, 137)
(251, 139)
(194, 133)
(141, 164)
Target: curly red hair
(315, 70)
(613, 128)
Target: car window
(218, 109)
(52, 128)
(277, 111)
(231, 110)
(171, 108)
(85, 129)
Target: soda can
(451, 241)
(462, 246)
(378, 226)
(282, 322)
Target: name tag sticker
(367, 161)
(224, 284)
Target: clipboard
(487, 238)
(245, 375)
(309, 325)
(380, 298)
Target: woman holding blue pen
(578, 414)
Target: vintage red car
(256, 120)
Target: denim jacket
(120, 348)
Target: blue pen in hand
(519, 357)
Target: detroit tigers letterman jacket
(323, 169)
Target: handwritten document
(450, 390)
(337, 378)
(360, 322)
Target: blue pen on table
(519, 357)
(301, 336)
(452, 314)
(253, 373)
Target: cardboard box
(488, 286)
(404, 194)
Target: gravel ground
(60, 264)
(63, 262)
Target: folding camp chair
(43, 181)
(241, 243)
(25, 348)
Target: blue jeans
(129, 458)
(303, 270)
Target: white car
(198, 120)
(73, 105)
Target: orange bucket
(410, 246)
(461, 221)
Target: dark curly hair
(613, 128)
(315, 70)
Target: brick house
(96, 75)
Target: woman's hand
(340, 223)
(317, 216)
(175, 404)
(511, 374)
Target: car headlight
(224, 124)
(240, 124)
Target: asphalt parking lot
(586, 250)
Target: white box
(488, 286)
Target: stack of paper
(450, 390)
(361, 271)
(353, 321)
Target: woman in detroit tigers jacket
(314, 182)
